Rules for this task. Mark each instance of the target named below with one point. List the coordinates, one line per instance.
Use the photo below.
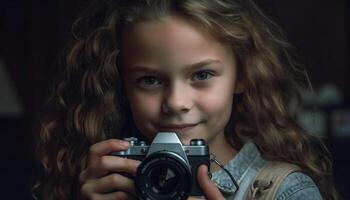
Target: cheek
(145, 110)
(217, 100)
(216, 106)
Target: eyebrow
(191, 66)
(203, 63)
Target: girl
(217, 70)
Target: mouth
(176, 127)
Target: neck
(223, 151)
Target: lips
(176, 127)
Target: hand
(102, 179)
(210, 190)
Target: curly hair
(89, 105)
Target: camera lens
(163, 175)
(163, 179)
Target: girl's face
(178, 78)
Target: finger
(110, 183)
(83, 176)
(114, 196)
(108, 164)
(106, 147)
(119, 164)
(209, 188)
(98, 150)
(196, 198)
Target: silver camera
(168, 169)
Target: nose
(177, 99)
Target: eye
(202, 75)
(149, 82)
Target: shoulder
(298, 185)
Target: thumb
(209, 188)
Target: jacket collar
(238, 167)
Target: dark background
(33, 35)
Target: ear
(241, 82)
(241, 85)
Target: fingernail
(125, 143)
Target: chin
(185, 141)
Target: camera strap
(213, 159)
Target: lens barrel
(163, 175)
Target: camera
(168, 169)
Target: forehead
(173, 39)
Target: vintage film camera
(168, 169)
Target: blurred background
(33, 35)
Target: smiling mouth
(176, 127)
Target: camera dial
(197, 142)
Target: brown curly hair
(89, 105)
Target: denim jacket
(245, 166)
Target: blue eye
(149, 81)
(202, 75)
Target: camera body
(168, 169)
